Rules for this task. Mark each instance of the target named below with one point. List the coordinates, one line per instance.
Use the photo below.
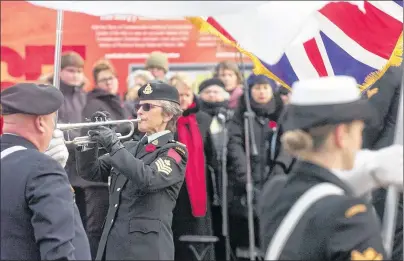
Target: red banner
(28, 37)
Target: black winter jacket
(236, 157)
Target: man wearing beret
(40, 220)
(145, 178)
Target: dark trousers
(194, 226)
(93, 205)
(239, 234)
(220, 247)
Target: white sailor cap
(326, 100)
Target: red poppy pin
(150, 148)
(272, 124)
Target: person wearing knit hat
(266, 107)
(260, 79)
(157, 64)
(211, 83)
(213, 96)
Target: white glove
(57, 148)
(375, 169)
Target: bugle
(83, 140)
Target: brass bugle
(83, 140)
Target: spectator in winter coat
(72, 80)
(267, 108)
(214, 100)
(192, 213)
(104, 96)
(229, 73)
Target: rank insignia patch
(163, 166)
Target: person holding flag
(316, 212)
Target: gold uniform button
(116, 205)
(118, 189)
(112, 221)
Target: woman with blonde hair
(316, 213)
(135, 80)
(192, 213)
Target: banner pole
(58, 51)
(391, 205)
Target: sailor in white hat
(315, 213)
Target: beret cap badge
(148, 89)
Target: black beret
(158, 90)
(31, 98)
(210, 82)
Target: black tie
(143, 141)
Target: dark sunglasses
(146, 106)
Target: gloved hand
(375, 169)
(57, 148)
(107, 138)
(102, 116)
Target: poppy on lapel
(150, 148)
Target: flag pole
(58, 51)
(391, 205)
(250, 150)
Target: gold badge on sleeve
(368, 254)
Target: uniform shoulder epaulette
(179, 147)
(178, 143)
(181, 144)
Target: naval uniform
(334, 228)
(145, 180)
(312, 214)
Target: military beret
(158, 90)
(31, 98)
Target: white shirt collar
(156, 135)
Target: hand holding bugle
(83, 140)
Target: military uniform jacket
(337, 227)
(39, 218)
(145, 182)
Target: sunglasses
(146, 106)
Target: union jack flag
(340, 39)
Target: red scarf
(1, 125)
(188, 133)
